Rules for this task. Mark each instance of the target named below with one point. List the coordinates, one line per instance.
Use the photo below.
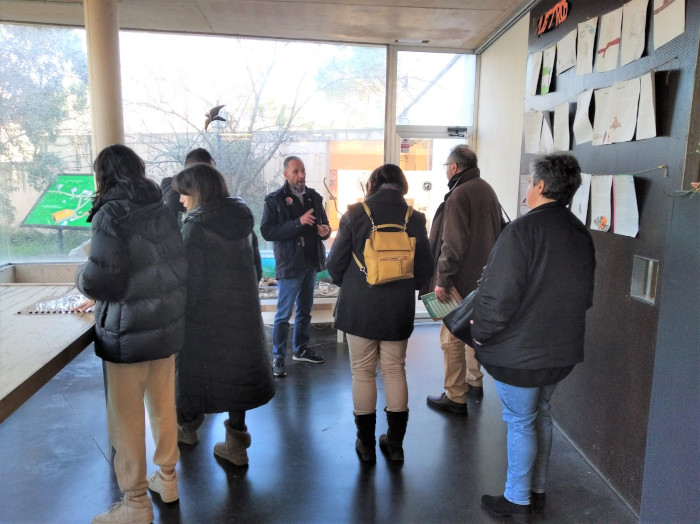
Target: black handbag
(458, 321)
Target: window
(44, 135)
(321, 102)
(435, 89)
(325, 103)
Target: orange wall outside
(368, 155)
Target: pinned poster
(600, 202)
(561, 127)
(583, 130)
(579, 204)
(634, 24)
(669, 20)
(532, 129)
(625, 201)
(586, 46)
(609, 41)
(566, 52)
(646, 119)
(534, 73)
(547, 69)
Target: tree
(43, 85)
(267, 100)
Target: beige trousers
(128, 386)
(461, 367)
(365, 354)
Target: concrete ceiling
(449, 24)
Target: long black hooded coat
(223, 365)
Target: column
(102, 30)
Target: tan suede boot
(234, 448)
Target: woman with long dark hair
(136, 273)
(378, 319)
(223, 366)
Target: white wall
(500, 113)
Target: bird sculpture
(212, 115)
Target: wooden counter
(33, 348)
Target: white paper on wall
(586, 46)
(547, 69)
(603, 115)
(600, 202)
(626, 219)
(561, 127)
(669, 20)
(634, 23)
(532, 129)
(625, 102)
(566, 52)
(579, 204)
(609, 41)
(646, 118)
(583, 130)
(546, 137)
(535, 66)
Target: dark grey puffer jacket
(136, 272)
(223, 365)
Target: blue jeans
(297, 291)
(526, 413)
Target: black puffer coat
(223, 365)
(136, 272)
(387, 311)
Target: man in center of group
(465, 228)
(295, 221)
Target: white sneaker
(166, 488)
(138, 510)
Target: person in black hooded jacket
(223, 366)
(136, 273)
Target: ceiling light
(411, 41)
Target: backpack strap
(359, 264)
(409, 212)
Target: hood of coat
(228, 217)
(147, 192)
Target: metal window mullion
(391, 138)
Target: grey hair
(289, 159)
(561, 174)
(463, 156)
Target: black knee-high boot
(365, 443)
(391, 444)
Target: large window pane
(321, 102)
(44, 133)
(435, 89)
